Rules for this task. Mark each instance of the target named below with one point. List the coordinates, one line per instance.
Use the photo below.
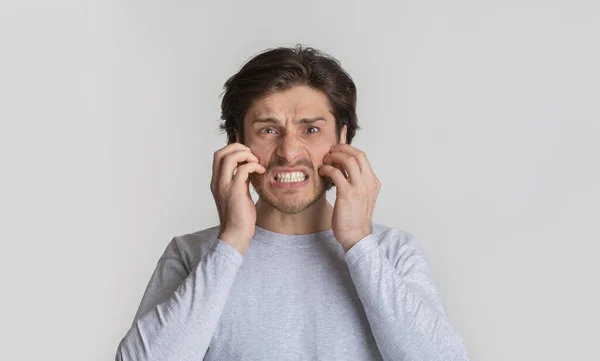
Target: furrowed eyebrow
(311, 120)
(265, 120)
(302, 121)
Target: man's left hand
(356, 193)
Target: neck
(315, 218)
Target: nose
(289, 147)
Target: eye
(312, 129)
(267, 130)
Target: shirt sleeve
(402, 304)
(179, 312)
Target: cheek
(264, 155)
(318, 151)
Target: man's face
(290, 132)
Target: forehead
(298, 101)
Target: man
(292, 277)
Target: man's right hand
(237, 213)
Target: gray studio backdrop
(481, 118)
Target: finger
(336, 165)
(359, 155)
(329, 161)
(349, 164)
(231, 162)
(335, 174)
(222, 153)
(243, 173)
(341, 168)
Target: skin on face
(291, 128)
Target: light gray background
(481, 118)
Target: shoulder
(397, 244)
(191, 247)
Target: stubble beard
(292, 202)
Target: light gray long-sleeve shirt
(292, 297)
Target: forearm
(181, 327)
(405, 314)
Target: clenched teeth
(290, 177)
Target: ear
(343, 134)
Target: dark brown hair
(280, 69)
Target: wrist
(352, 240)
(238, 242)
